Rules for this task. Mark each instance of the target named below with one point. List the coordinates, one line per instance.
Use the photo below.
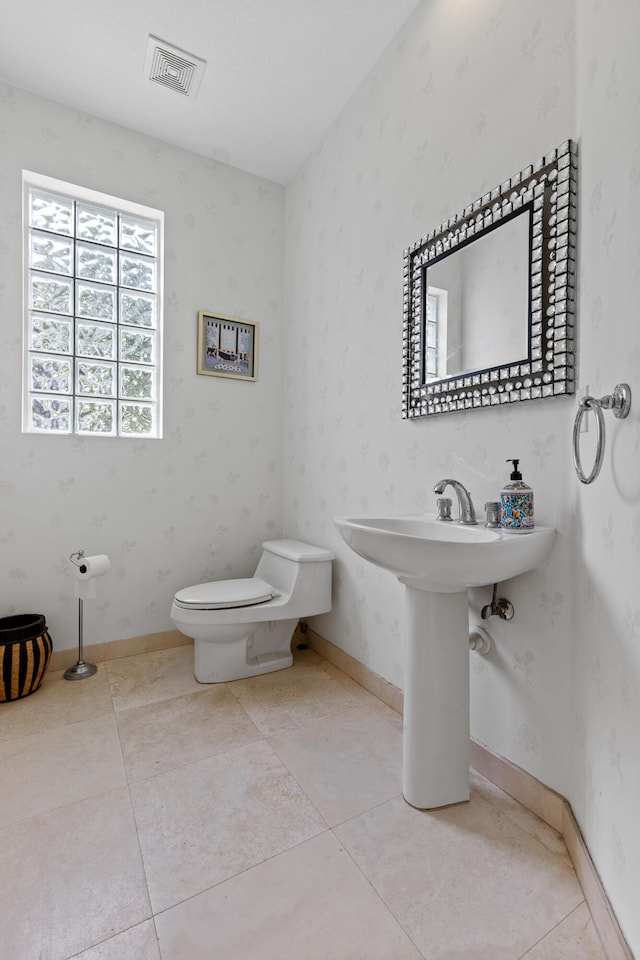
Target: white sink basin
(444, 557)
(437, 561)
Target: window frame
(123, 208)
(441, 324)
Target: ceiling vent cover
(172, 67)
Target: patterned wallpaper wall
(466, 96)
(426, 134)
(197, 504)
(606, 515)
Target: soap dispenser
(516, 504)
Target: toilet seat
(225, 594)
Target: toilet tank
(299, 571)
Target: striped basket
(25, 651)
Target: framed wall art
(227, 346)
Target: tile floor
(146, 817)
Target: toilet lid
(222, 594)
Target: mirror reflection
(477, 303)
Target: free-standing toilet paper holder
(80, 670)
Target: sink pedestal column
(436, 699)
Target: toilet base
(215, 673)
(265, 650)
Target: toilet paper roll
(91, 567)
(86, 573)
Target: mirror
(489, 296)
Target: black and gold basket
(25, 651)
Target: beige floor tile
(150, 677)
(70, 879)
(464, 881)
(346, 763)
(520, 815)
(136, 943)
(204, 823)
(310, 903)
(286, 699)
(171, 733)
(365, 697)
(305, 656)
(57, 703)
(239, 825)
(575, 938)
(63, 765)
(391, 715)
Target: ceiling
(278, 71)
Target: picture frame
(227, 346)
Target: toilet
(242, 628)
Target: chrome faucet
(465, 504)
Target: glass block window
(93, 313)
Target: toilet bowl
(242, 628)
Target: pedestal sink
(437, 562)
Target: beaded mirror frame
(549, 189)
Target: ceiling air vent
(172, 67)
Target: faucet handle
(444, 508)
(492, 508)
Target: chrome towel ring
(620, 402)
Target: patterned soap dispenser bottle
(516, 504)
